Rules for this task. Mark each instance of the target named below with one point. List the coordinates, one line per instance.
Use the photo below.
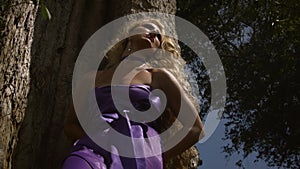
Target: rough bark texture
(56, 44)
(16, 40)
(55, 49)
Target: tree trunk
(55, 48)
(16, 40)
(56, 44)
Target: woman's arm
(177, 101)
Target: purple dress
(86, 154)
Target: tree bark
(55, 49)
(16, 41)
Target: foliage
(6, 4)
(45, 11)
(258, 42)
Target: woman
(141, 80)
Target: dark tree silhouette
(258, 42)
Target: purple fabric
(99, 158)
(84, 159)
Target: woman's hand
(177, 101)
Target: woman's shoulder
(103, 77)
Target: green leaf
(45, 12)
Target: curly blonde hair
(167, 44)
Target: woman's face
(145, 36)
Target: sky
(213, 158)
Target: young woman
(141, 78)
